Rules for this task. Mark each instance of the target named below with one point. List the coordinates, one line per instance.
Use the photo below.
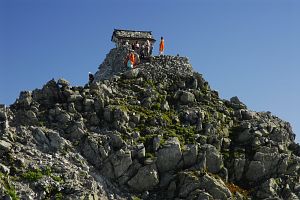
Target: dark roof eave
(134, 38)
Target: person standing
(161, 46)
(91, 78)
(131, 60)
(147, 48)
(137, 47)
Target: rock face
(145, 179)
(155, 132)
(113, 63)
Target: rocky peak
(157, 131)
(163, 65)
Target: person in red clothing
(161, 46)
(132, 58)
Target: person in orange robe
(132, 58)
(161, 46)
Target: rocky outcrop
(154, 132)
(112, 64)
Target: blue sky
(244, 48)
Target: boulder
(63, 117)
(55, 141)
(169, 155)
(256, 170)
(146, 179)
(247, 114)
(266, 161)
(95, 148)
(25, 98)
(141, 151)
(75, 131)
(187, 97)
(121, 160)
(238, 168)
(190, 154)
(49, 139)
(108, 114)
(115, 139)
(191, 181)
(236, 103)
(130, 74)
(5, 146)
(268, 189)
(214, 161)
(130, 173)
(63, 82)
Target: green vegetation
(58, 196)
(166, 123)
(32, 175)
(36, 174)
(149, 155)
(156, 106)
(57, 178)
(9, 188)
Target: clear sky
(244, 48)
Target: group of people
(141, 51)
(136, 52)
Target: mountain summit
(157, 131)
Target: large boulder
(238, 168)
(187, 97)
(48, 139)
(120, 161)
(191, 181)
(169, 155)
(190, 154)
(75, 131)
(95, 148)
(268, 189)
(256, 170)
(214, 160)
(146, 178)
(266, 161)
